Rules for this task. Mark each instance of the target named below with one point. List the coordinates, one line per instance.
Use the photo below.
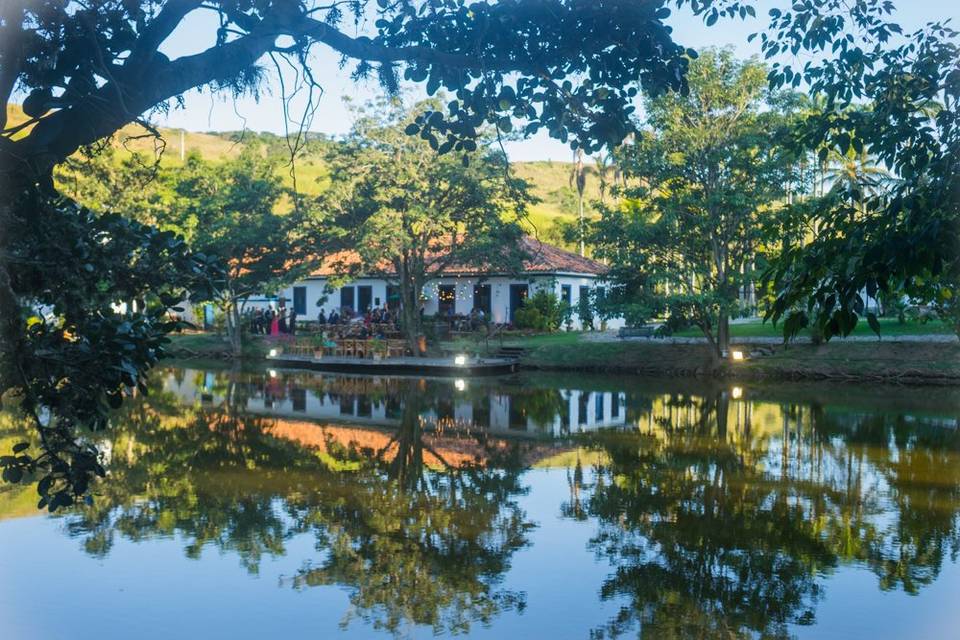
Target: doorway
(518, 297)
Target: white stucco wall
(463, 303)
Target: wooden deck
(399, 365)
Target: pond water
(281, 504)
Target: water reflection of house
(500, 411)
(497, 409)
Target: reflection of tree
(414, 545)
(419, 546)
(541, 405)
(722, 534)
(907, 472)
(704, 547)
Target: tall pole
(581, 180)
(182, 149)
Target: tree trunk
(723, 332)
(11, 327)
(410, 308)
(234, 330)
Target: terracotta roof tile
(544, 258)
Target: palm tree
(857, 173)
(604, 163)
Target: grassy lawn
(890, 359)
(869, 360)
(888, 327)
(480, 345)
(211, 345)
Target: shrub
(542, 312)
(585, 311)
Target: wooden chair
(396, 348)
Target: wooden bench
(643, 331)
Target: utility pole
(580, 177)
(182, 149)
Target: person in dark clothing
(256, 322)
(322, 318)
(282, 319)
(293, 322)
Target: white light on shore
(737, 393)
(273, 353)
(737, 355)
(273, 373)
(460, 360)
(460, 384)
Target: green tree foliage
(889, 96)
(411, 213)
(543, 311)
(705, 177)
(92, 338)
(230, 210)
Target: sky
(203, 112)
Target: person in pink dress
(275, 324)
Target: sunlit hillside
(551, 181)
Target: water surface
(271, 504)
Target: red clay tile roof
(544, 258)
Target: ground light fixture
(273, 373)
(737, 355)
(460, 384)
(273, 353)
(460, 360)
(736, 393)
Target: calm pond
(279, 504)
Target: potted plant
(318, 341)
(378, 348)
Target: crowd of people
(474, 321)
(272, 321)
(346, 315)
(375, 322)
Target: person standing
(274, 322)
(258, 321)
(292, 328)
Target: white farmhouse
(565, 274)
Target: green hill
(558, 196)
(550, 180)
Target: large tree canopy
(568, 66)
(895, 98)
(411, 213)
(705, 181)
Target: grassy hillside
(551, 180)
(127, 140)
(552, 185)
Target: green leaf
(13, 474)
